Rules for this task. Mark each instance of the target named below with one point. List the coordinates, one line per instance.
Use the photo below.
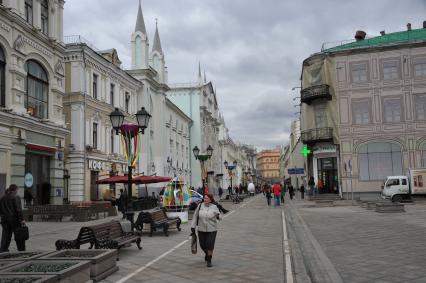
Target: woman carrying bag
(206, 218)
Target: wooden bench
(157, 217)
(107, 235)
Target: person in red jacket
(276, 189)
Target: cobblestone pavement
(249, 248)
(360, 245)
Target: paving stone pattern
(365, 246)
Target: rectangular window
(390, 70)
(111, 94)
(29, 11)
(421, 108)
(359, 73)
(127, 102)
(95, 86)
(420, 69)
(112, 141)
(360, 112)
(392, 110)
(44, 17)
(95, 135)
(320, 116)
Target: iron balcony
(317, 135)
(311, 93)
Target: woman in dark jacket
(206, 218)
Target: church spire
(157, 42)
(205, 78)
(140, 24)
(200, 77)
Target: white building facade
(32, 124)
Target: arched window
(2, 79)
(36, 98)
(44, 17)
(423, 148)
(379, 160)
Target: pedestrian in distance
(302, 191)
(11, 219)
(276, 189)
(206, 218)
(268, 194)
(291, 191)
(311, 184)
(220, 192)
(122, 203)
(283, 193)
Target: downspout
(84, 122)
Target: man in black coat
(11, 218)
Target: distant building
(268, 164)
(364, 110)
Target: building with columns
(32, 124)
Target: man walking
(276, 189)
(11, 219)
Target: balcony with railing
(317, 135)
(307, 95)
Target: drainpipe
(84, 122)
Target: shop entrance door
(327, 175)
(94, 189)
(39, 166)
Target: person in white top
(206, 218)
(251, 188)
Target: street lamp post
(203, 158)
(230, 167)
(130, 134)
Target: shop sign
(96, 165)
(325, 149)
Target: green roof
(415, 35)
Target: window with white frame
(320, 115)
(95, 135)
(392, 110)
(379, 160)
(44, 17)
(37, 96)
(29, 11)
(127, 101)
(420, 108)
(112, 133)
(111, 94)
(360, 112)
(390, 70)
(359, 72)
(420, 67)
(95, 86)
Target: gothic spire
(140, 24)
(157, 42)
(205, 78)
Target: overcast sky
(251, 50)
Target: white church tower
(157, 58)
(140, 43)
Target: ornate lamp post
(203, 158)
(230, 167)
(129, 134)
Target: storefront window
(379, 160)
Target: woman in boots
(206, 217)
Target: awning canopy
(135, 180)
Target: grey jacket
(208, 218)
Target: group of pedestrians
(278, 193)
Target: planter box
(73, 271)
(103, 262)
(8, 263)
(21, 255)
(28, 278)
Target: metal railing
(315, 92)
(318, 134)
(78, 39)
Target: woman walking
(268, 194)
(206, 217)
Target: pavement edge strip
(324, 262)
(287, 257)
